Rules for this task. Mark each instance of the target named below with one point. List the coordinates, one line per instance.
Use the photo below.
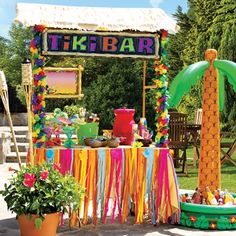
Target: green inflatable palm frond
(183, 82)
(221, 83)
(229, 69)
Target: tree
(207, 24)
(204, 14)
(3, 52)
(18, 50)
(176, 46)
(120, 86)
(222, 37)
(181, 52)
(12, 53)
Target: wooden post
(144, 88)
(80, 79)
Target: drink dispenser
(124, 120)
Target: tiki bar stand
(113, 177)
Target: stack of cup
(143, 131)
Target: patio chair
(230, 146)
(193, 134)
(195, 127)
(178, 140)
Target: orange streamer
(140, 186)
(91, 185)
(40, 156)
(79, 172)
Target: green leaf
(221, 90)
(185, 80)
(38, 222)
(229, 69)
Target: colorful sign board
(61, 42)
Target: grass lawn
(228, 175)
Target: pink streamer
(116, 161)
(161, 177)
(167, 189)
(65, 160)
(61, 220)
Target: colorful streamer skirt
(115, 179)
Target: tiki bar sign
(100, 44)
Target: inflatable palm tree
(213, 72)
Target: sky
(8, 7)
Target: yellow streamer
(79, 172)
(126, 192)
(91, 185)
(40, 156)
(57, 156)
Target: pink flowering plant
(40, 190)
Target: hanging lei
(39, 86)
(161, 82)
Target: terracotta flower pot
(48, 227)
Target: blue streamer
(153, 209)
(149, 154)
(101, 177)
(50, 155)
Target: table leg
(195, 149)
(195, 157)
(176, 158)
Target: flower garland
(161, 82)
(39, 86)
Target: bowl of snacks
(95, 143)
(113, 142)
(145, 142)
(88, 140)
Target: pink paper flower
(39, 28)
(44, 175)
(29, 180)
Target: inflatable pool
(208, 216)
